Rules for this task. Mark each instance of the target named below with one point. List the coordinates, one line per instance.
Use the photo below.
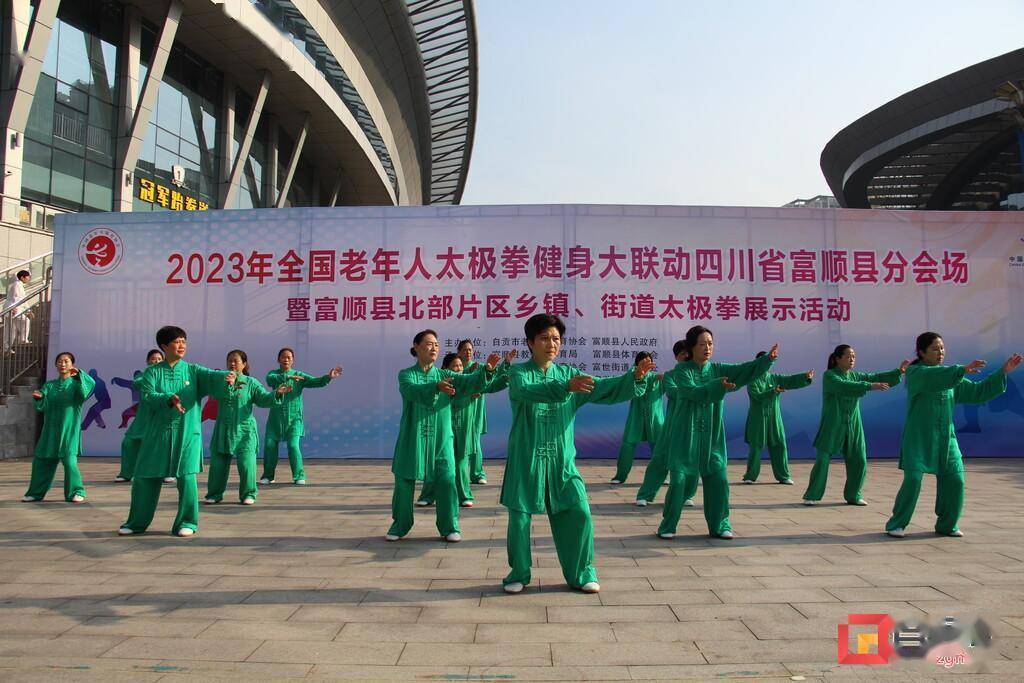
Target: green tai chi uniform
(841, 429)
(696, 434)
(235, 434)
(173, 443)
(479, 422)
(466, 437)
(764, 423)
(61, 440)
(657, 470)
(425, 447)
(643, 423)
(284, 423)
(540, 472)
(133, 436)
(929, 445)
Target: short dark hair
(152, 351)
(693, 334)
(679, 347)
(640, 356)
(924, 340)
(245, 359)
(540, 322)
(65, 353)
(283, 349)
(448, 358)
(418, 338)
(463, 343)
(168, 333)
(23, 273)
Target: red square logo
(880, 638)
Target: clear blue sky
(679, 102)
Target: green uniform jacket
(929, 443)
(137, 429)
(425, 431)
(235, 430)
(696, 427)
(540, 470)
(464, 412)
(479, 405)
(646, 414)
(764, 418)
(285, 418)
(840, 407)
(173, 442)
(61, 406)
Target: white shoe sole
(124, 531)
(186, 532)
(688, 503)
(641, 503)
(591, 587)
(513, 588)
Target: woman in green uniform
(697, 446)
(133, 436)
(60, 401)
(284, 423)
(540, 472)
(764, 423)
(643, 423)
(173, 443)
(424, 449)
(478, 416)
(841, 429)
(928, 444)
(235, 432)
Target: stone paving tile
(609, 614)
(58, 646)
(407, 633)
(682, 632)
(158, 627)
(550, 673)
(502, 614)
(746, 651)
(184, 649)
(270, 630)
(356, 613)
(583, 654)
(544, 633)
(295, 652)
(477, 654)
(757, 671)
(350, 672)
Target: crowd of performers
(444, 416)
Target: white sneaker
(210, 501)
(482, 481)
(299, 482)
(688, 503)
(787, 482)
(266, 481)
(29, 499)
(641, 503)
(898, 532)
(185, 532)
(124, 531)
(616, 481)
(77, 498)
(391, 538)
(807, 501)
(422, 503)
(667, 535)
(249, 501)
(860, 502)
(727, 535)
(170, 480)
(591, 587)
(514, 587)
(956, 533)
(453, 537)
(121, 480)
(748, 481)
(466, 504)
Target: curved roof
(446, 33)
(945, 145)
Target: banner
(351, 286)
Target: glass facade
(250, 192)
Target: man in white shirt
(18, 333)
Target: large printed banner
(353, 285)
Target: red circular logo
(100, 251)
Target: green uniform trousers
(573, 533)
(447, 509)
(624, 464)
(716, 501)
(294, 458)
(146, 495)
(220, 466)
(476, 464)
(129, 454)
(43, 472)
(463, 492)
(780, 462)
(856, 470)
(656, 475)
(949, 501)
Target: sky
(700, 103)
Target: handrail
(27, 262)
(26, 298)
(25, 340)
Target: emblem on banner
(100, 251)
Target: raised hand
(175, 403)
(810, 375)
(334, 372)
(296, 378)
(73, 372)
(37, 395)
(581, 384)
(230, 378)
(492, 361)
(446, 387)
(511, 355)
(774, 352)
(975, 366)
(1011, 363)
(904, 365)
(879, 386)
(779, 389)
(283, 389)
(475, 396)
(643, 367)
(729, 385)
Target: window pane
(35, 172)
(146, 154)
(69, 129)
(189, 151)
(73, 97)
(104, 70)
(100, 136)
(168, 141)
(164, 161)
(66, 182)
(40, 117)
(99, 187)
(73, 57)
(168, 107)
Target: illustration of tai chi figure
(102, 396)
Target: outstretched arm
(925, 378)
(742, 374)
(980, 392)
(424, 394)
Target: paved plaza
(303, 585)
